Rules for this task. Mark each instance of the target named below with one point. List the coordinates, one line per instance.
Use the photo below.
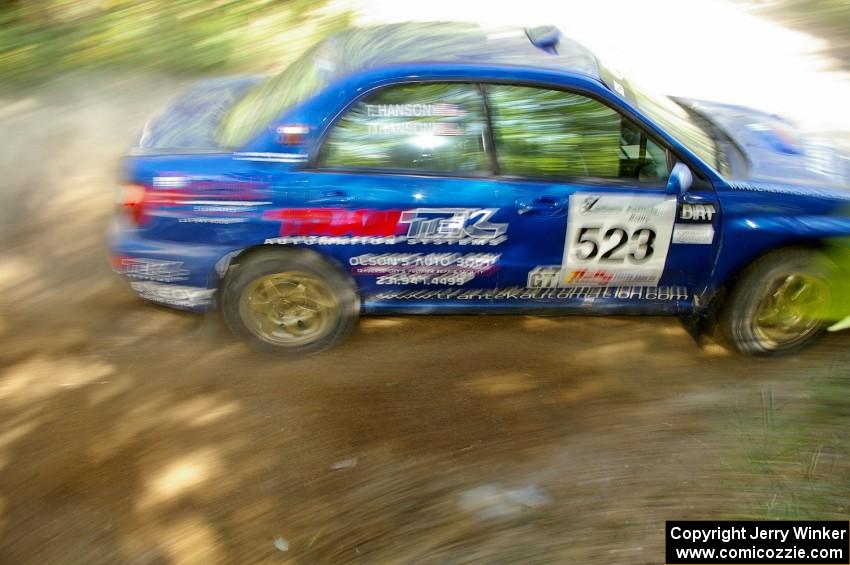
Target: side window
(551, 133)
(437, 127)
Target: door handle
(333, 197)
(542, 205)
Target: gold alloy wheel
(291, 308)
(790, 310)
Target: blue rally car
(443, 168)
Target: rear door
(592, 224)
(402, 195)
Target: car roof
(370, 48)
(363, 51)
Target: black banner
(757, 542)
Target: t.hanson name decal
(336, 226)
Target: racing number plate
(617, 239)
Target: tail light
(133, 203)
(119, 262)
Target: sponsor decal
(173, 295)
(585, 293)
(329, 240)
(182, 188)
(590, 277)
(202, 220)
(611, 240)
(176, 181)
(697, 212)
(790, 190)
(477, 261)
(446, 278)
(417, 129)
(204, 194)
(234, 207)
(151, 269)
(619, 89)
(691, 234)
(448, 269)
(438, 109)
(383, 120)
(335, 226)
(270, 157)
(292, 134)
(553, 276)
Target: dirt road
(136, 434)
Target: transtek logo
(418, 225)
(452, 223)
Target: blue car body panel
(209, 205)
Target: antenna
(544, 37)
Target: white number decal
(615, 239)
(616, 245)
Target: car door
(401, 194)
(592, 221)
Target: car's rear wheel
(779, 302)
(289, 302)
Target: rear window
(193, 119)
(301, 80)
(341, 55)
(436, 127)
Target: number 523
(615, 245)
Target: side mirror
(681, 179)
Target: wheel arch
(728, 277)
(717, 294)
(230, 262)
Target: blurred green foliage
(797, 457)
(838, 265)
(829, 19)
(796, 454)
(43, 38)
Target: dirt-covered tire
(289, 302)
(777, 304)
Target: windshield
(693, 133)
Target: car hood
(193, 118)
(775, 149)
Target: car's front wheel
(779, 302)
(289, 302)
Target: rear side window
(551, 133)
(413, 127)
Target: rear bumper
(174, 274)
